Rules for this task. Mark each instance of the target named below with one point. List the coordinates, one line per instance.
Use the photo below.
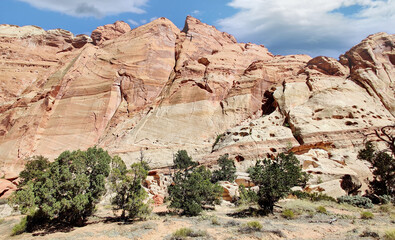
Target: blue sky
(314, 27)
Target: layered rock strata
(160, 89)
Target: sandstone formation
(109, 31)
(158, 89)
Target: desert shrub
(246, 196)
(357, 201)
(300, 194)
(297, 132)
(20, 227)
(232, 223)
(255, 225)
(389, 234)
(368, 233)
(314, 197)
(192, 187)
(66, 190)
(321, 209)
(288, 214)
(130, 195)
(227, 171)
(184, 233)
(385, 208)
(252, 226)
(386, 199)
(219, 136)
(300, 206)
(319, 180)
(367, 215)
(215, 221)
(275, 178)
(383, 165)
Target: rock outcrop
(7, 186)
(109, 31)
(158, 89)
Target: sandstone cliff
(160, 89)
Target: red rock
(6, 188)
(80, 40)
(109, 31)
(372, 65)
(158, 200)
(160, 89)
(329, 66)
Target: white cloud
(143, 21)
(315, 27)
(153, 18)
(89, 8)
(132, 22)
(195, 12)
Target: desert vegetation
(192, 188)
(66, 193)
(227, 171)
(126, 183)
(275, 179)
(66, 190)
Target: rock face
(158, 89)
(6, 188)
(109, 31)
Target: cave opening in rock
(269, 104)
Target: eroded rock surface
(109, 31)
(160, 89)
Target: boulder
(230, 191)
(331, 188)
(158, 199)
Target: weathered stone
(80, 40)
(109, 31)
(372, 66)
(158, 200)
(328, 66)
(158, 89)
(6, 188)
(230, 191)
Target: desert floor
(228, 222)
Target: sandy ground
(219, 224)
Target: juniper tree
(192, 187)
(130, 195)
(383, 165)
(227, 171)
(275, 178)
(66, 190)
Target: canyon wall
(160, 89)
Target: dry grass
(389, 234)
(300, 206)
(223, 225)
(367, 215)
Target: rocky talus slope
(160, 89)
